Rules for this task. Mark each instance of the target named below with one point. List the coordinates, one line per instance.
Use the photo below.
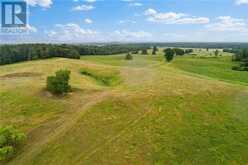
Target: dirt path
(60, 127)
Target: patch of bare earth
(20, 75)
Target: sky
(84, 21)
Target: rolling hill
(191, 111)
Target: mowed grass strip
(104, 76)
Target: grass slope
(218, 68)
(158, 114)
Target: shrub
(188, 51)
(59, 84)
(10, 139)
(129, 57)
(236, 68)
(216, 53)
(179, 52)
(240, 68)
(245, 69)
(135, 52)
(154, 50)
(169, 54)
(144, 52)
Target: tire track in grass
(68, 122)
(81, 158)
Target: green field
(143, 111)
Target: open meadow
(141, 111)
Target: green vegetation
(129, 57)
(240, 55)
(193, 111)
(219, 68)
(178, 51)
(188, 51)
(216, 53)
(25, 52)
(59, 84)
(16, 53)
(104, 76)
(169, 54)
(144, 52)
(154, 50)
(10, 139)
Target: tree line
(25, 52)
(209, 45)
(241, 56)
(169, 53)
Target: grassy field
(192, 111)
(218, 68)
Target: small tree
(169, 54)
(216, 53)
(135, 52)
(154, 50)
(59, 84)
(129, 57)
(144, 52)
(188, 51)
(10, 139)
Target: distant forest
(25, 52)
(210, 45)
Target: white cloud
(127, 22)
(127, 0)
(227, 23)
(28, 28)
(150, 12)
(83, 8)
(71, 33)
(88, 21)
(124, 34)
(193, 20)
(173, 35)
(174, 18)
(41, 3)
(31, 29)
(74, 33)
(242, 2)
(90, 1)
(136, 4)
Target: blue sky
(83, 21)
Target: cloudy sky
(83, 21)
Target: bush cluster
(129, 57)
(10, 139)
(59, 84)
(241, 56)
